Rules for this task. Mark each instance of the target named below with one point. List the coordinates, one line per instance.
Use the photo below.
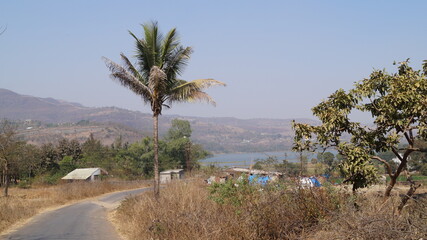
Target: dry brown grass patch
(186, 210)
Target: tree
(326, 158)
(9, 145)
(179, 129)
(397, 104)
(94, 154)
(179, 144)
(160, 61)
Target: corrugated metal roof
(172, 171)
(81, 173)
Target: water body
(247, 159)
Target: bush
(194, 211)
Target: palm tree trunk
(156, 156)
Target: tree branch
(402, 162)
(408, 138)
(413, 149)
(396, 153)
(389, 171)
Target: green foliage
(50, 162)
(232, 192)
(179, 129)
(356, 167)
(396, 103)
(67, 164)
(268, 164)
(326, 158)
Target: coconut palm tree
(159, 62)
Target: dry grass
(25, 203)
(185, 211)
(377, 219)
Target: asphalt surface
(84, 220)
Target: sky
(278, 58)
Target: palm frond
(144, 56)
(202, 97)
(127, 79)
(201, 84)
(153, 40)
(129, 66)
(177, 61)
(192, 91)
(170, 42)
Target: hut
(85, 174)
(169, 175)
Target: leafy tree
(49, 158)
(27, 162)
(397, 104)
(326, 158)
(9, 149)
(269, 164)
(179, 129)
(70, 148)
(66, 165)
(160, 61)
(95, 154)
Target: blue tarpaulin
(263, 180)
(315, 182)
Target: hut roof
(172, 171)
(82, 173)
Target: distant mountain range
(56, 118)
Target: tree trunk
(390, 185)
(156, 156)
(408, 195)
(188, 156)
(393, 177)
(6, 180)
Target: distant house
(85, 174)
(169, 175)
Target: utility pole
(188, 155)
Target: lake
(247, 159)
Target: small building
(85, 174)
(169, 175)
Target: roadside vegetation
(393, 147)
(194, 210)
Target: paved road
(84, 220)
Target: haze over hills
(48, 119)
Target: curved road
(84, 220)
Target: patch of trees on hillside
(23, 163)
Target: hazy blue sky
(279, 58)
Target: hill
(215, 134)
